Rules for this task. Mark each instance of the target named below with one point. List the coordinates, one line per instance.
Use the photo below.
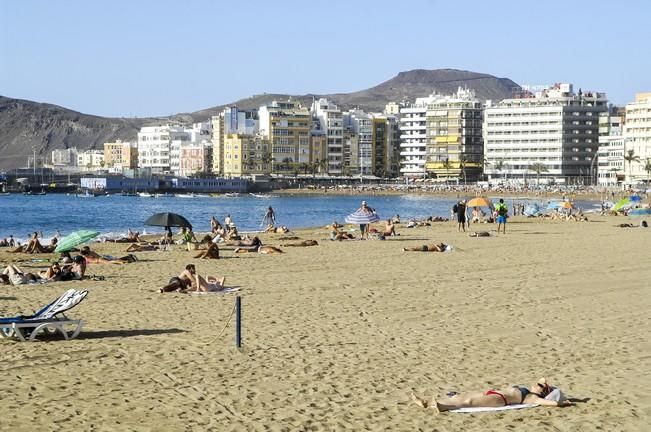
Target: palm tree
(538, 168)
(447, 165)
(500, 165)
(647, 168)
(463, 160)
(631, 157)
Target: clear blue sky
(145, 57)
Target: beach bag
(502, 210)
(455, 208)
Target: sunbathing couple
(190, 281)
(132, 237)
(75, 269)
(34, 246)
(535, 394)
(337, 234)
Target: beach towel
(487, 409)
(448, 248)
(224, 291)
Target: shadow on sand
(101, 334)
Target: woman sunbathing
(303, 243)
(135, 247)
(262, 249)
(95, 258)
(198, 283)
(211, 253)
(494, 398)
(441, 247)
(52, 273)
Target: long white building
(637, 132)
(553, 127)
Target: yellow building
(287, 127)
(454, 147)
(246, 155)
(120, 154)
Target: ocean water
(113, 215)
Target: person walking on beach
(269, 217)
(461, 215)
(502, 211)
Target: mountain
(26, 124)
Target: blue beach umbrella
(640, 212)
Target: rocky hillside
(25, 124)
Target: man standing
(502, 211)
(461, 215)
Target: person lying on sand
(190, 281)
(211, 253)
(262, 249)
(277, 230)
(441, 247)
(479, 234)
(132, 237)
(336, 234)
(95, 258)
(135, 247)
(515, 395)
(17, 276)
(303, 243)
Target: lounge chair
(50, 318)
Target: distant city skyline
(156, 58)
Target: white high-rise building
(331, 120)
(413, 137)
(610, 159)
(554, 127)
(159, 147)
(637, 132)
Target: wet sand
(337, 335)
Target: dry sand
(336, 336)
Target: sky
(126, 58)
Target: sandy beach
(336, 336)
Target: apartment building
(637, 132)
(385, 136)
(286, 125)
(64, 157)
(156, 144)
(246, 154)
(90, 160)
(413, 137)
(121, 155)
(331, 121)
(231, 120)
(610, 156)
(454, 147)
(553, 127)
(358, 142)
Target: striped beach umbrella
(361, 217)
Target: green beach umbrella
(74, 239)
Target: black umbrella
(168, 220)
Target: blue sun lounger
(51, 318)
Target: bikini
(523, 391)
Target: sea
(112, 215)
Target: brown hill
(25, 124)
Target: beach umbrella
(532, 210)
(640, 212)
(626, 202)
(168, 220)
(361, 217)
(479, 202)
(75, 239)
